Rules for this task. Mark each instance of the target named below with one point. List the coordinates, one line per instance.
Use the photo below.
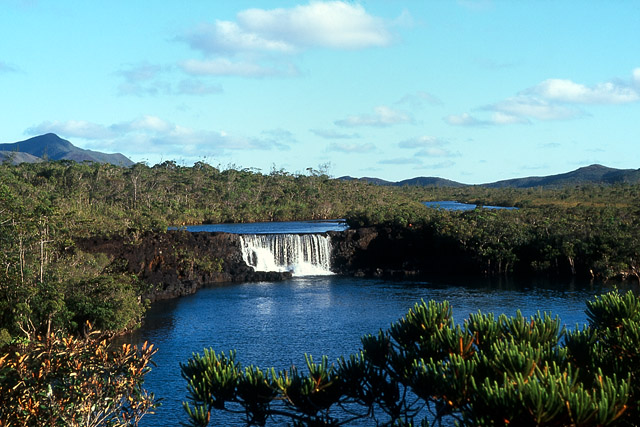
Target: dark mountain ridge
(51, 147)
(593, 174)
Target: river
(276, 323)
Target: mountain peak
(51, 146)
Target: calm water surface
(284, 227)
(275, 324)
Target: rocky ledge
(177, 263)
(394, 252)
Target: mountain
(429, 181)
(594, 174)
(422, 180)
(51, 146)
(376, 181)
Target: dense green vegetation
(49, 286)
(426, 369)
(48, 283)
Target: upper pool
(284, 227)
(452, 205)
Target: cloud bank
(553, 99)
(150, 135)
(248, 46)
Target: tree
(425, 369)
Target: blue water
(451, 205)
(291, 227)
(276, 323)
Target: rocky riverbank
(395, 253)
(177, 263)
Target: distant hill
(420, 181)
(51, 147)
(376, 181)
(18, 157)
(594, 174)
(429, 182)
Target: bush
(68, 381)
(110, 303)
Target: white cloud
(434, 152)
(260, 36)
(554, 99)
(332, 134)
(226, 67)
(501, 118)
(429, 146)
(151, 80)
(352, 147)
(464, 119)
(523, 106)
(383, 116)
(72, 128)
(440, 165)
(567, 91)
(225, 37)
(144, 123)
(150, 134)
(196, 87)
(419, 98)
(401, 161)
(421, 142)
(141, 72)
(334, 24)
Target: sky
(474, 91)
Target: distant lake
(285, 227)
(451, 205)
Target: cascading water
(302, 254)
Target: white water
(302, 254)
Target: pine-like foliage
(426, 370)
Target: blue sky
(474, 91)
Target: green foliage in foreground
(426, 369)
(67, 381)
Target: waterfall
(302, 254)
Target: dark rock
(396, 252)
(177, 263)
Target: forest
(50, 287)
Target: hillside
(51, 147)
(593, 174)
(418, 181)
(18, 157)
